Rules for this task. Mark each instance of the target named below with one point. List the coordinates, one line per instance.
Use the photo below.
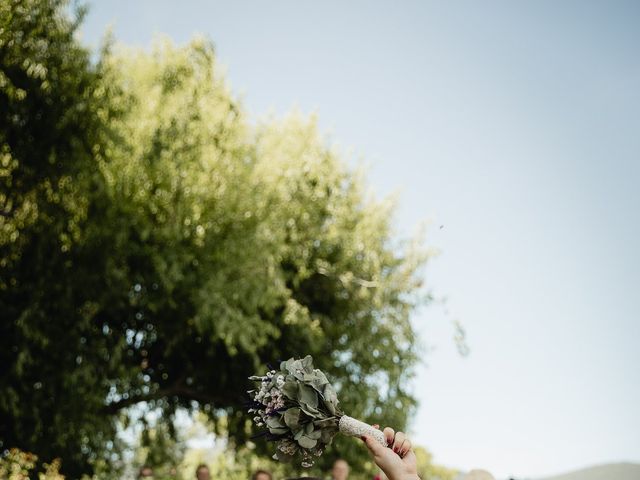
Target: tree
(54, 117)
(174, 249)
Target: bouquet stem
(355, 428)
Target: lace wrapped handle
(355, 428)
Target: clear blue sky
(515, 126)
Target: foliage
(54, 114)
(160, 448)
(157, 247)
(18, 465)
(234, 464)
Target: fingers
(373, 445)
(406, 448)
(397, 441)
(389, 434)
(401, 444)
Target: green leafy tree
(159, 247)
(161, 448)
(54, 116)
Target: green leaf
(307, 364)
(308, 428)
(288, 365)
(290, 388)
(306, 442)
(310, 411)
(308, 396)
(318, 381)
(330, 399)
(278, 430)
(274, 422)
(292, 418)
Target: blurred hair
(142, 473)
(258, 472)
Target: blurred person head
(261, 475)
(202, 472)
(340, 470)
(145, 472)
(478, 474)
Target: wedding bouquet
(299, 409)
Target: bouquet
(299, 409)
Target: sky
(514, 129)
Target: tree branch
(177, 389)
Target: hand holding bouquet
(298, 407)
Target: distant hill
(611, 471)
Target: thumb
(373, 445)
